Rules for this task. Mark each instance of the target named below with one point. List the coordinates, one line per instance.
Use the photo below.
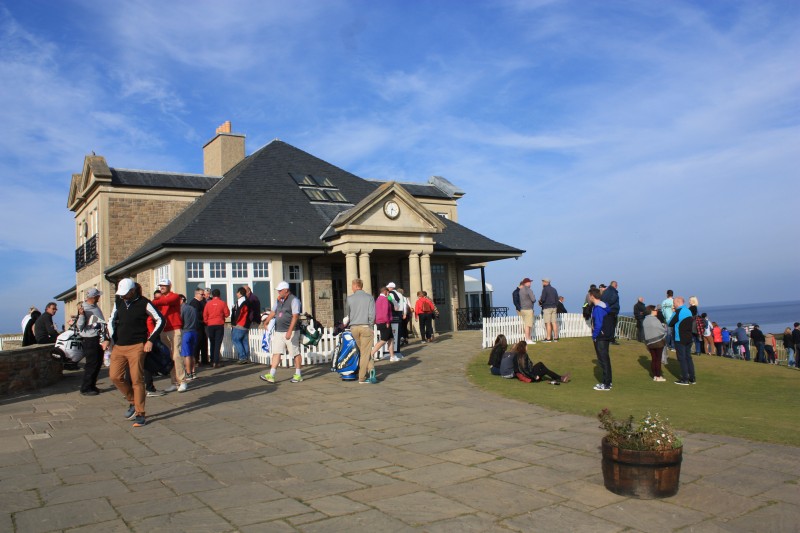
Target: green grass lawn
(736, 398)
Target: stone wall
(27, 369)
(132, 221)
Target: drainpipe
(484, 300)
(311, 279)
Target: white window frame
(231, 283)
(161, 272)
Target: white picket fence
(10, 338)
(569, 325)
(311, 355)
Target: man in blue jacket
(610, 297)
(681, 325)
(602, 335)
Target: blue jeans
(670, 339)
(240, 343)
(684, 352)
(698, 343)
(790, 356)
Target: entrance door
(339, 290)
(441, 297)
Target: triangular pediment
(95, 169)
(388, 209)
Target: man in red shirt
(169, 305)
(214, 314)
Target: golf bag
(69, 349)
(310, 330)
(345, 356)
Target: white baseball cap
(125, 286)
(165, 282)
(391, 285)
(94, 291)
(282, 285)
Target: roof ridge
(193, 174)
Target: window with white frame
(294, 276)
(261, 269)
(228, 276)
(218, 269)
(161, 272)
(238, 269)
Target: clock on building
(391, 209)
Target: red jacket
(169, 305)
(243, 317)
(215, 312)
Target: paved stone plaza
(423, 450)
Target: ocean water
(772, 317)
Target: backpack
(158, 361)
(698, 326)
(587, 310)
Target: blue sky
(655, 143)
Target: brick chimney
(223, 152)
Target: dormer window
(318, 188)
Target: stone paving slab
(422, 451)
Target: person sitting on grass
(528, 372)
(499, 348)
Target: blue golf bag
(345, 356)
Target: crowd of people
(674, 325)
(191, 332)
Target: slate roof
(257, 205)
(167, 180)
(421, 190)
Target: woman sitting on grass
(526, 371)
(500, 347)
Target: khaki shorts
(549, 315)
(279, 344)
(527, 317)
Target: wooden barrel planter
(641, 474)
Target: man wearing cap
(398, 314)
(360, 312)
(92, 330)
(526, 300)
(127, 327)
(549, 302)
(169, 305)
(286, 312)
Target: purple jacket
(383, 310)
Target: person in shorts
(549, 302)
(383, 320)
(526, 301)
(286, 312)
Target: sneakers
(89, 392)
(601, 386)
(546, 340)
(659, 378)
(297, 378)
(130, 414)
(692, 382)
(139, 421)
(155, 393)
(397, 356)
(183, 387)
(269, 378)
(244, 361)
(681, 382)
(171, 388)
(189, 376)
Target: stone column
(351, 267)
(364, 272)
(425, 267)
(414, 281)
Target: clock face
(391, 209)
